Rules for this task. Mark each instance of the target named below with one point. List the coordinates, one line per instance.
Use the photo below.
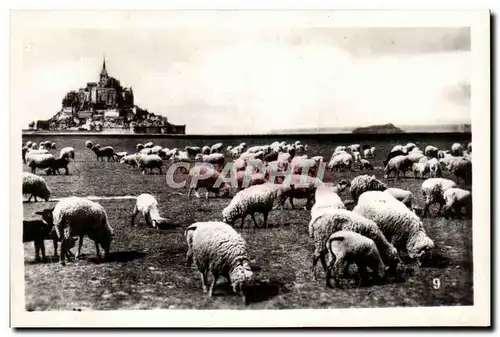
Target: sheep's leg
(80, 244)
(189, 192)
(189, 258)
(265, 219)
(147, 217)
(196, 193)
(29, 199)
(42, 249)
(291, 203)
(243, 221)
(67, 171)
(362, 275)
(37, 250)
(254, 220)
(160, 170)
(316, 257)
(97, 250)
(134, 214)
(206, 194)
(212, 284)
(204, 281)
(54, 241)
(323, 261)
(338, 266)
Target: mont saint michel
(106, 106)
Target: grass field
(147, 268)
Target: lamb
(254, 199)
(398, 164)
(75, 216)
(89, 144)
(38, 231)
(461, 169)
(346, 247)
(365, 165)
(216, 148)
(400, 226)
(41, 161)
(405, 196)
(35, 186)
(456, 149)
(216, 159)
(434, 168)
(192, 151)
(130, 160)
(365, 183)
(57, 164)
(202, 176)
(455, 199)
(299, 187)
(431, 151)
(323, 226)
(150, 161)
(433, 192)
(147, 205)
(218, 249)
(106, 151)
(67, 152)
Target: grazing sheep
(252, 155)
(433, 192)
(35, 186)
(393, 154)
(202, 176)
(299, 187)
(370, 152)
(354, 148)
(216, 159)
(42, 161)
(254, 199)
(461, 169)
(411, 146)
(75, 216)
(130, 160)
(405, 196)
(431, 151)
(192, 151)
(434, 168)
(327, 198)
(38, 231)
(456, 150)
(398, 164)
(421, 169)
(365, 165)
(150, 162)
(67, 152)
(89, 144)
(323, 226)
(415, 156)
(340, 160)
(147, 205)
(216, 148)
(365, 183)
(399, 148)
(306, 166)
(57, 164)
(400, 226)
(218, 249)
(271, 156)
(455, 199)
(347, 247)
(156, 149)
(106, 151)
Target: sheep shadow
(123, 256)
(264, 290)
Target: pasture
(147, 267)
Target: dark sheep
(38, 231)
(106, 151)
(392, 155)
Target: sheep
(306, 166)
(356, 156)
(156, 149)
(254, 199)
(354, 148)
(106, 151)
(218, 249)
(393, 154)
(363, 183)
(130, 160)
(149, 145)
(38, 231)
(456, 149)
(139, 147)
(322, 227)
(205, 150)
(35, 186)
(252, 155)
(57, 164)
(402, 227)
(340, 148)
(53, 145)
(340, 160)
(434, 168)
(297, 186)
(411, 146)
(327, 197)
(244, 179)
(397, 164)
(415, 157)
(399, 148)
(461, 169)
(421, 169)
(147, 205)
(34, 146)
(346, 247)
(149, 161)
(24, 150)
(433, 192)
(146, 150)
(469, 147)
(271, 156)
(48, 145)
(431, 151)
(370, 152)
(75, 216)
(365, 165)
(120, 155)
(455, 199)
(28, 144)
(236, 151)
(180, 157)
(41, 161)
(202, 176)
(67, 152)
(216, 148)
(405, 196)
(192, 151)
(89, 144)
(216, 159)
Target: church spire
(104, 71)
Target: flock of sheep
(383, 222)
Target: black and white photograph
(182, 167)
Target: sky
(253, 78)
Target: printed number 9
(436, 283)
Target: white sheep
(415, 156)
(431, 151)
(203, 176)
(149, 145)
(67, 152)
(216, 148)
(469, 147)
(41, 161)
(122, 154)
(205, 149)
(462, 169)
(456, 149)
(75, 216)
(322, 227)
(192, 151)
(434, 168)
(340, 148)
(402, 227)
(146, 151)
(433, 192)
(354, 148)
(156, 149)
(340, 160)
(139, 147)
(411, 146)
(455, 199)
(398, 164)
(35, 186)
(363, 183)
(254, 199)
(147, 205)
(368, 153)
(297, 186)
(130, 160)
(216, 159)
(218, 249)
(347, 247)
(149, 161)
(405, 196)
(327, 197)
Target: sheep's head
(47, 215)
(199, 156)
(229, 215)
(242, 278)
(377, 185)
(159, 223)
(420, 247)
(343, 184)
